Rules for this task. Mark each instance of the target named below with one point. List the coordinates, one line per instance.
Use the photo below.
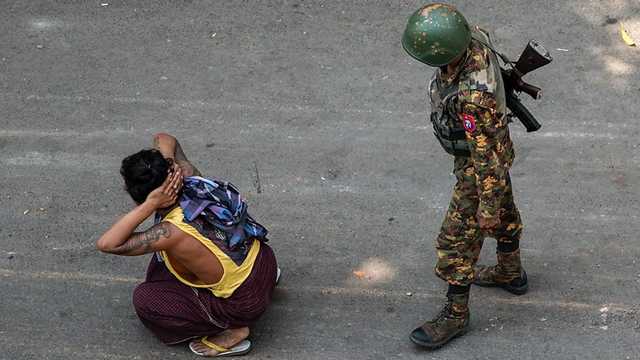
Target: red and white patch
(469, 122)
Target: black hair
(143, 172)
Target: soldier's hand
(487, 223)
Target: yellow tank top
(233, 275)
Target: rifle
(533, 57)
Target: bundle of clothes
(220, 204)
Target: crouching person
(211, 275)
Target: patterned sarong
(175, 312)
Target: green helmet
(436, 34)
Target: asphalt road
(318, 101)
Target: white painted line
(66, 133)
(35, 158)
(419, 119)
(209, 104)
(100, 280)
(579, 135)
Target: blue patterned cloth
(221, 205)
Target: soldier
(468, 114)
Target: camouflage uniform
(481, 165)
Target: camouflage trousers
(460, 240)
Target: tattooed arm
(158, 237)
(120, 239)
(171, 149)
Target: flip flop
(278, 273)
(241, 348)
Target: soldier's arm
(171, 149)
(487, 136)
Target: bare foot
(226, 339)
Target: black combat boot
(507, 274)
(451, 322)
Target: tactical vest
(446, 125)
(444, 105)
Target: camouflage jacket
(480, 106)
